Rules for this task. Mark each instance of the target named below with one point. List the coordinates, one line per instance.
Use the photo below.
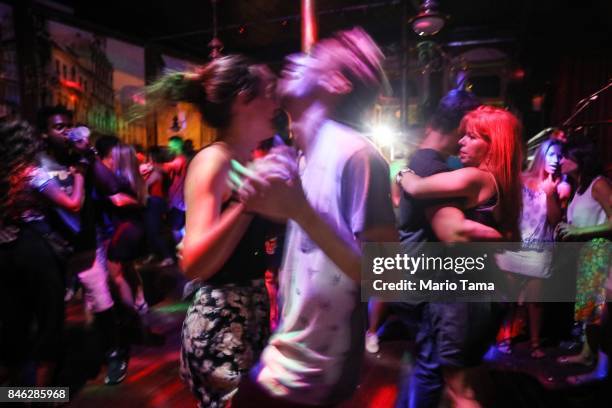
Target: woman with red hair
(489, 182)
(489, 189)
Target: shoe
(69, 295)
(585, 378)
(571, 345)
(505, 347)
(142, 309)
(164, 263)
(117, 364)
(371, 342)
(575, 359)
(536, 351)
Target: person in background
(70, 220)
(127, 241)
(156, 209)
(275, 239)
(107, 191)
(589, 220)
(541, 214)
(32, 277)
(140, 153)
(176, 169)
(189, 150)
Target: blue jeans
(423, 387)
(450, 335)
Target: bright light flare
(383, 135)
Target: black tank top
(484, 213)
(249, 260)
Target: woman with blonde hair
(542, 204)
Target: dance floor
(152, 381)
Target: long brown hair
(126, 165)
(502, 130)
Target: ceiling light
(429, 21)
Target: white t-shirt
(314, 357)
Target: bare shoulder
(208, 165)
(210, 158)
(602, 190)
(470, 174)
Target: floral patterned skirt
(593, 263)
(225, 330)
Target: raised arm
(467, 182)
(450, 225)
(173, 165)
(71, 202)
(210, 236)
(553, 202)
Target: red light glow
(71, 84)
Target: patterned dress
(593, 260)
(223, 334)
(227, 325)
(535, 257)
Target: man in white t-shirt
(341, 199)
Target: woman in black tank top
(489, 182)
(223, 249)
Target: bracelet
(400, 174)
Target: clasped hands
(277, 195)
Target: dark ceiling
(269, 29)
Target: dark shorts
(127, 242)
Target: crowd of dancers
(74, 215)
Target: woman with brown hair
(127, 241)
(589, 220)
(223, 249)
